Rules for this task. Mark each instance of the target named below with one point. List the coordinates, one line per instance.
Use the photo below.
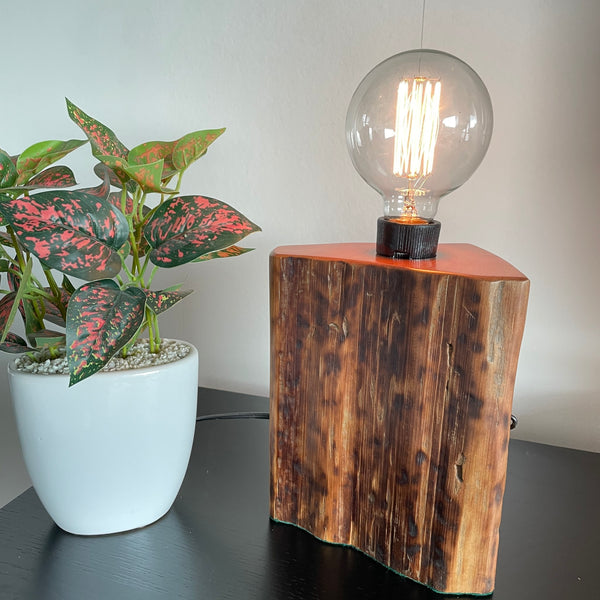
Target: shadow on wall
(13, 475)
(556, 419)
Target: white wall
(279, 75)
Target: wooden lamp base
(391, 396)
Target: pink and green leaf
(41, 155)
(53, 177)
(115, 199)
(73, 232)
(117, 165)
(14, 344)
(150, 152)
(46, 337)
(225, 253)
(186, 227)
(11, 302)
(101, 319)
(6, 304)
(100, 191)
(52, 312)
(192, 146)
(67, 286)
(159, 301)
(103, 140)
(147, 176)
(8, 171)
(33, 323)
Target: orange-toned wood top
(455, 259)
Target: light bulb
(417, 127)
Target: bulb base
(407, 240)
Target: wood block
(391, 396)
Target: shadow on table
(159, 561)
(303, 567)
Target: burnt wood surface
(217, 542)
(391, 397)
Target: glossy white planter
(108, 454)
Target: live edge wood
(391, 396)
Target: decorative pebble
(139, 356)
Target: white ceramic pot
(109, 453)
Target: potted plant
(109, 453)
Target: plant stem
(153, 331)
(152, 274)
(17, 247)
(56, 293)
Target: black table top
(218, 542)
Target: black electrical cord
(233, 415)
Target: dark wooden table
(218, 543)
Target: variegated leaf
(46, 337)
(12, 302)
(103, 140)
(41, 155)
(52, 312)
(150, 152)
(8, 171)
(159, 301)
(33, 323)
(100, 191)
(148, 177)
(225, 253)
(117, 165)
(67, 285)
(6, 304)
(101, 319)
(54, 177)
(14, 344)
(115, 199)
(186, 227)
(192, 146)
(105, 173)
(73, 232)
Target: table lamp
(418, 126)
(393, 364)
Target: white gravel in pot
(138, 357)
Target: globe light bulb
(418, 126)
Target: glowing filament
(417, 126)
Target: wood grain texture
(391, 395)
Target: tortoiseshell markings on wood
(386, 434)
(101, 319)
(186, 227)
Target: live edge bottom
(391, 397)
(288, 524)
